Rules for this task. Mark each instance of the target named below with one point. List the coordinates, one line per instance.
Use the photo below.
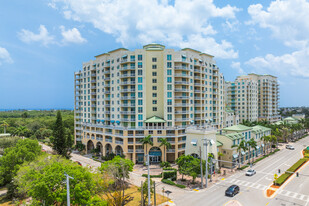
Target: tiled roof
(239, 127)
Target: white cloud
(294, 64)
(71, 36)
(5, 56)
(288, 20)
(134, 22)
(43, 36)
(237, 66)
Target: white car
(289, 147)
(250, 172)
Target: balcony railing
(108, 140)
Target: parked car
(250, 172)
(232, 190)
(289, 147)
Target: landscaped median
(285, 176)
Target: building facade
(254, 97)
(123, 96)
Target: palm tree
(20, 131)
(165, 144)
(146, 141)
(273, 140)
(241, 146)
(220, 154)
(4, 125)
(251, 144)
(265, 142)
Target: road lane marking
(195, 190)
(267, 203)
(223, 179)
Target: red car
(80, 164)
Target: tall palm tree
(251, 144)
(265, 140)
(146, 141)
(165, 144)
(220, 154)
(273, 140)
(4, 125)
(240, 147)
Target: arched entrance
(108, 149)
(118, 150)
(90, 146)
(99, 147)
(155, 155)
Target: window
(169, 87)
(154, 87)
(154, 94)
(154, 109)
(140, 64)
(154, 74)
(154, 66)
(139, 57)
(154, 59)
(140, 87)
(140, 117)
(140, 94)
(169, 94)
(140, 72)
(154, 101)
(169, 79)
(140, 102)
(169, 117)
(154, 80)
(169, 109)
(140, 79)
(169, 64)
(169, 102)
(140, 124)
(169, 57)
(169, 72)
(140, 109)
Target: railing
(130, 150)
(181, 97)
(181, 112)
(100, 138)
(182, 68)
(181, 90)
(128, 82)
(127, 112)
(127, 90)
(108, 140)
(181, 119)
(128, 97)
(181, 82)
(181, 105)
(170, 150)
(78, 139)
(130, 142)
(119, 142)
(139, 151)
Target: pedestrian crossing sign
(275, 176)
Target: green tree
(240, 147)
(118, 170)
(7, 142)
(166, 145)
(145, 191)
(62, 141)
(145, 141)
(189, 165)
(265, 140)
(25, 150)
(251, 144)
(4, 124)
(25, 115)
(22, 131)
(43, 179)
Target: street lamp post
(149, 194)
(68, 188)
(206, 141)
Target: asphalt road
(252, 188)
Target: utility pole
(201, 162)
(149, 194)
(154, 193)
(68, 188)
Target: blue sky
(42, 42)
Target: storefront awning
(194, 142)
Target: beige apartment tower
(123, 96)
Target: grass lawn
(5, 202)
(133, 190)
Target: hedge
(152, 176)
(170, 168)
(169, 182)
(291, 170)
(169, 174)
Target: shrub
(169, 168)
(172, 174)
(282, 179)
(165, 164)
(297, 165)
(169, 182)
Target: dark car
(232, 190)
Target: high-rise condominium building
(123, 96)
(254, 97)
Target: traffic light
(297, 174)
(279, 171)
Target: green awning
(154, 119)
